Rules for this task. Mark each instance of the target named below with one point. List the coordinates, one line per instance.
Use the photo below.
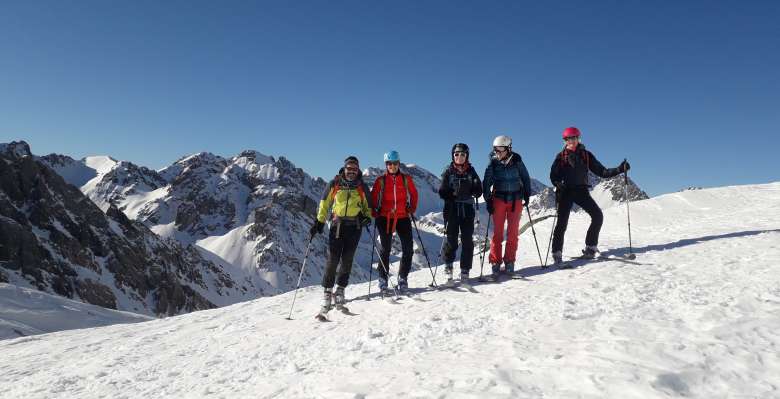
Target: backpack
(337, 187)
(565, 158)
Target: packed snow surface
(697, 314)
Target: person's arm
(412, 194)
(445, 191)
(476, 184)
(325, 202)
(526, 182)
(375, 197)
(598, 169)
(487, 182)
(367, 204)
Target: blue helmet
(392, 156)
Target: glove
(316, 228)
(489, 206)
(365, 221)
(624, 166)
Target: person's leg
(404, 230)
(335, 247)
(451, 244)
(586, 202)
(351, 239)
(467, 239)
(564, 208)
(496, 241)
(512, 230)
(386, 242)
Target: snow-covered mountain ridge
(54, 239)
(697, 315)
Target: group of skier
(506, 188)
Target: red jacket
(394, 196)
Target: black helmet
(351, 159)
(460, 147)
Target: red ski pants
(502, 212)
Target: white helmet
(502, 141)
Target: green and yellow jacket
(346, 200)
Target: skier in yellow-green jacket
(346, 199)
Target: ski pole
(371, 265)
(300, 276)
(419, 238)
(631, 254)
(484, 247)
(534, 231)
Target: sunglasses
(351, 169)
(573, 138)
(459, 154)
(499, 150)
(396, 163)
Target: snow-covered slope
(26, 312)
(697, 315)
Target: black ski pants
(404, 229)
(342, 245)
(580, 196)
(460, 219)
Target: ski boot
(384, 291)
(557, 258)
(338, 299)
(403, 285)
(326, 305)
(509, 268)
(448, 275)
(496, 270)
(590, 252)
(464, 278)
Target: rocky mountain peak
(15, 149)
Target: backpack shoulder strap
(336, 187)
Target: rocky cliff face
(55, 239)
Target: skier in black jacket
(569, 175)
(460, 186)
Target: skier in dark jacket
(506, 183)
(347, 199)
(460, 187)
(569, 175)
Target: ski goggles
(572, 138)
(500, 150)
(392, 163)
(351, 169)
(458, 154)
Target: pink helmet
(571, 132)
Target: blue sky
(688, 91)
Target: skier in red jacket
(395, 198)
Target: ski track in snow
(698, 317)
